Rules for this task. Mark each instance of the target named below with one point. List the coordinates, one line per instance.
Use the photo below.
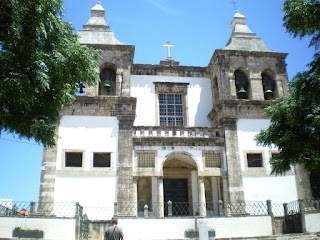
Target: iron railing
(20, 208)
(311, 205)
(100, 211)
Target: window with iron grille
(212, 159)
(171, 109)
(73, 159)
(101, 160)
(254, 159)
(146, 160)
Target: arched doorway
(180, 183)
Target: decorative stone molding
(169, 70)
(177, 136)
(238, 108)
(101, 106)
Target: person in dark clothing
(114, 232)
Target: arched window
(242, 84)
(268, 86)
(107, 84)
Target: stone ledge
(239, 108)
(166, 70)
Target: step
(291, 236)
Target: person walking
(114, 232)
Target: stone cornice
(181, 141)
(165, 70)
(123, 48)
(102, 106)
(238, 53)
(240, 108)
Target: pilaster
(48, 177)
(127, 202)
(233, 162)
(303, 183)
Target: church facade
(148, 134)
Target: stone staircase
(309, 236)
(306, 236)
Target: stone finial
(96, 31)
(97, 18)
(239, 26)
(242, 38)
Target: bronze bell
(107, 85)
(242, 90)
(268, 93)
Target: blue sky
(196, 28)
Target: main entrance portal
(179, 183)
(176, 191)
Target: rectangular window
(73, 159)
(212, 159)
(146, 160)
(101, 159)
(254, 159)
(171, 109)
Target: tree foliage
(295, 119)
(41, 63)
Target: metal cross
(168, 46)
(234, 4)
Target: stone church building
(148, 134)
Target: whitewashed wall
(312, 222)
(175, 228)
(88, 134)
(96, 194)
(247, 129)
(54, 228)
(278, 189)
(241, 226)
(87, 185)
(155, 228)
(199, 99)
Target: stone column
(202, 198)
(127, 201)
(119, 78)
(195, 196)
(215, 186)
(154, 184)
(160, 198)
(125, 87)
(233, 161)
(225, 191)
(135, 193)
(47, 181)
(256, 88)
(303, 183)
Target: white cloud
(161, 6)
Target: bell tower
(116, 57)
(245, 76)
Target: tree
(41, 65)
(295, 119)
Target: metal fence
(311, 205)
(26, 209)
(101, 211)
